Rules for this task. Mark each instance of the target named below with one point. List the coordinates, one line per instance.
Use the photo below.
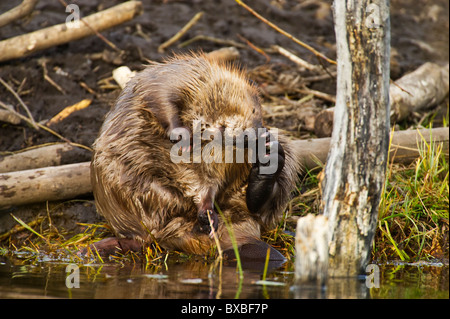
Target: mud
(83, 68)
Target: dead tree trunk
(356, 164)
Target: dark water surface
(198, 279)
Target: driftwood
(69, 110)
(8, 117)
(44, 184)
(23, 9)
(403, 149)
(27, 44)
(419, 90)
(49, 155)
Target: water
(199, 279)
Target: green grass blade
(24, 225)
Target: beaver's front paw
(270, 160)
(264, 173)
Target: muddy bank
(83, 69)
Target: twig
(224, 54)
(256, 48)
(39, 125)
(45, 128)
(69, 110)
(286, 34)
(37, 156)
(10, 89)
(295, 59)
(201, 37)
(7, 116)
(12, 111)
(399, 87)
(87, 88)
(98, 34)
(43, 63)
(323, 96)
(18, 12)
(321, 77)
(180, 33)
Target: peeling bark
(356, 164)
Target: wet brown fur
(143, 194)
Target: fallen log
(44, 184)
(29, 43)
(23, 9)
(69, 181)
(44, 156)
(421, 89)
(403, 149)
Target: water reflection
(198, 279)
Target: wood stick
(8, 117)
(39, 125)
(42, 156)
(180, 33)
(68, 181)
(225, 54)
(23, 9)
(27, 44)
(296, 59)
(44, 184)
(22, 103)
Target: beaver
(146, 197)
